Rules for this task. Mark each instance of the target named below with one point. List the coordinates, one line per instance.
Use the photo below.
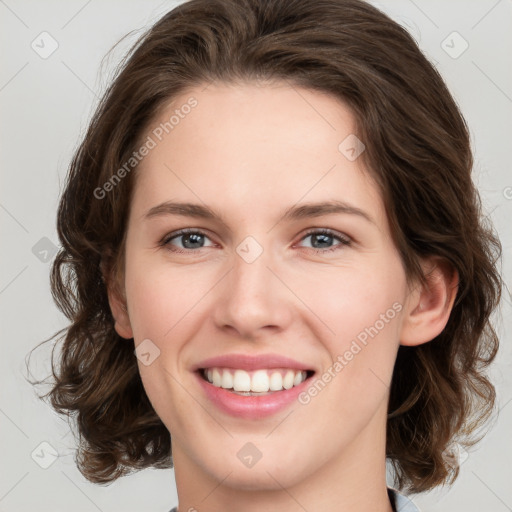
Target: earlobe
(118, 307)
(429, 306)
(120, 314)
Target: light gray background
(45, 105)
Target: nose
(253, 298)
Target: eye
(322, 237)
(191, 239)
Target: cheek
(158, 297)
(349, 300)
(362, 310)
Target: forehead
(253, 147)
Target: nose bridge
(252, 297)
(250, 269)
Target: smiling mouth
(255, 383)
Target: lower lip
(251, 407)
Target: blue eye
(322, 236)
(189, 237)
(192, 240)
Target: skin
(249, 151)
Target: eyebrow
(296, 212)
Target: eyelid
(328, 231)
(164, 241)
(344, 240)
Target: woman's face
(259, 280)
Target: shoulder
(401, 502)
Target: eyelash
(345, 241)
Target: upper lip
(248, 362)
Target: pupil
(195, 236)
(322, 236)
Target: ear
(429, 306)
(117, 302)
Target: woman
(209, 321)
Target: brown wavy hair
(418, 151)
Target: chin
(258, 481)
(263, 476)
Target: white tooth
(217, 378)
(260, 381)
(288, 379)
(241, 381)
(276, 382)
(227, 379)
(297, 379)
